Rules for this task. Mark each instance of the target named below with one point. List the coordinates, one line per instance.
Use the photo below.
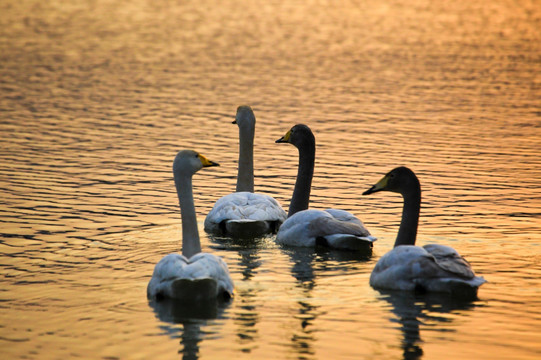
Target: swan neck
(245, 177)
(407, 232)
(301, 193)
(190, 234)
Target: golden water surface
(97, 96)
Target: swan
(431, 268)
(194, 275)
(245, 213)
(309, 227)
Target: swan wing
(203, 275)
(345, 216)
(343, 222)
(450, 260)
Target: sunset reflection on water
(97, 97)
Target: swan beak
(206, 162)
(234, 121)
(285, 138)
(380, 185)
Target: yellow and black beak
(285, 138)
(234, 121)
(206, 162)
(380, 185)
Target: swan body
(198, 278)
(245, 213)
(193, 276)
(317, 227)
(332, 228)
(431, 268)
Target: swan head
(188, 162)
(299, 135)
(245, 117)
(400, 180)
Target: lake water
(97, 97)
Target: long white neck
(245, 177)
(190, 234)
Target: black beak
(280, 140)
(371, 190)
(234, 121)
(212, 163)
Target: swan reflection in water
(192, 316)
(303, 339)
(246, 315)
(247, 249)
(413, 310)
(307, 263)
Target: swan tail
(347, 242)
(458, 288)
(193, 290)
(246, 228)
(466, 289)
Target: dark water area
(97, 97)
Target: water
(97, 97)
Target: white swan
(192, 276)
(245, 213)
(432, 268)
(333, 228)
